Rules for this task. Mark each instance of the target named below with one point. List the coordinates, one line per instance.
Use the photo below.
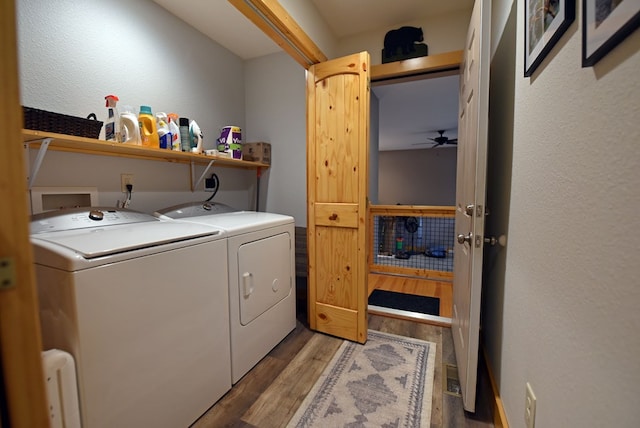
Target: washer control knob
(96, 215)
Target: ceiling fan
(441, 140)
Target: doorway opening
(412, 223)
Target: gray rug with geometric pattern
(387, 382)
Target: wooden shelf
(92, 146)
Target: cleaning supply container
(148, 128)
(129, 127)
(185, 142)
(164, 134)
(230, 141)
(112, 124)
(175, 132)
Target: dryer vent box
(54, 198)
(257, 152)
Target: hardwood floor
(271, 392)
(420, 287)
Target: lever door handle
(462, 239)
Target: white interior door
(470, 199)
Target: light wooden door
(24, 402)
(337, 180)
(470, 199)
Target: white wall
(276, 114)
(306, 15)
(570, 296)
(417, 177)
(442, 33)
(74, 53)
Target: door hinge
(7, 273)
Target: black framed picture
(605, 23)
(545, 22)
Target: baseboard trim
(499, 416)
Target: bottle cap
(184, 121)
(145, 110)
(111, 100)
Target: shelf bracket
(194, 186)
(44, 145)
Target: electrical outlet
(210, 185)
(530, 408)
(124, 180)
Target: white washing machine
(141, 305)
(262, 301)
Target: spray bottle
(175, 132)
(112, 124)
(164, 134)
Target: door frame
(22, 384)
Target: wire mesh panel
(420, 243)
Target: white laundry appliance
(141, 305)
(262, 301)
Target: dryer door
(264, 275)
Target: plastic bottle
(148, 128)
(112, 124)
(175, 132)
(185, 144)
(129, 127)
(195, 137)
(164, 134)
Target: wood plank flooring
(269, 395)
(419, 287)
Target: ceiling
(410, 112)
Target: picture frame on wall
(606, 23)
(545, 22)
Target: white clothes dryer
(141, 305)
(262, 301)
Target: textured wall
(275, 86)
(417, 177)
(442, 33)
(570, 292)
(74, 53)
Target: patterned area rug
(387, 383)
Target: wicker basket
(41, 120)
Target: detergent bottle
(112, 124)
(148, 128)
(164, 134)
(175, 132)
(129, 127)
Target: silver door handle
(462, 239)
(469, 209)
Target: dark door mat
(405, 302)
